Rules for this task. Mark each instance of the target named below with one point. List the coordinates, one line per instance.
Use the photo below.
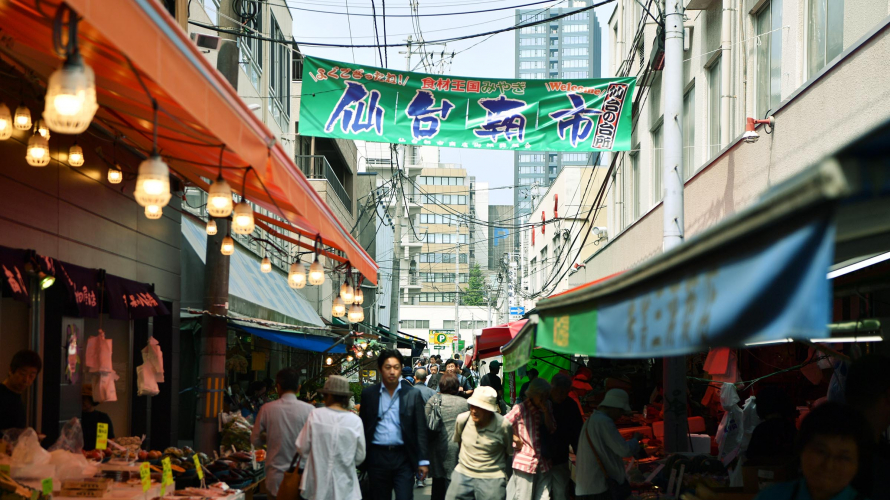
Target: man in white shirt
(278, 425)
(601, 448)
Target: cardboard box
(83, 493)
(91, 483)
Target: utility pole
(457, 287)
(395, 278)
(675, 422)
(214, 330)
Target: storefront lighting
(45, 280)
(768, 342)
(42, 129)
(349, 358)
(359, 354)
(242, 220)
(844, 340)
(329, 361)
(316, 273)
(115, 175)
(359, 296)
(22, 117)
(219, 198)
(75, 155)
(5, 122)
(266, 265)
(153, 182)
(153, 212)
(347, 293)
(228, 246)
(71, 90)
(38, 151)
(356, 314)
(210, 227)
(296, 276)
(338, 308)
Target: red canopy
(201, 111)
(488, 345)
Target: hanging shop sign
(15, 279)
(83, 285)
(373, 104)
(128, 299)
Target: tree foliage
(475, 292)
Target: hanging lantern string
(71, 47)
(222, 150)
(244, 183)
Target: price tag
(145, 476)
(47, 485)
(101, 436)
(198, 467)
(253, 457)
(167, 477)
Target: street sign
(517, 311)
(441, 337)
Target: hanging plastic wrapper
(98, 363)
(730, 432)
(151, 371)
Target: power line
(483, 11)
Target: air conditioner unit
(206, 41)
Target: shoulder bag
(434, 420)
(616, 491)
(290, 484)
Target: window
(689, 133)
(575, 63)
(574, 157)
(532, 53)
(279, 80)
(538, 28)
(657, 163)
(769, 58)
(538, 169)
(296, 74)
(538, 40)
(552, 157)
(581, 16)
(825, 33)
(448, 324)
(533, 76)
(252, 51)
(212, 9)
(529, 18)
(554, 42)
(574, 28)
(415, 323)
(531, 158)
(574, 40)
(574, 74)
(531, 65)
(579, 51)
(714, 109)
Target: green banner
(349, 101)
(569, 333)
(519, 351)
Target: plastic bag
(730, 432)
(152, 355)
(103, 386)
(28, 451)
(71, 465)
(71, 437)
(146, 385)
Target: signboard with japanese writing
(441, 337)
(380, 105)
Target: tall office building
(564, 48)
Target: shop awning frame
(128, 41)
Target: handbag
(290, 484)
(616, 491)
(434, 420)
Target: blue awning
(296, 340)
(268, 290)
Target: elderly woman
(443, 449)
(532, 422)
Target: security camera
(750, 136)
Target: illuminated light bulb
(228, 246)
(71, 97)
(266, 265)
(115, 175)
(42, 129)
(349, 358)
(242, 220)
(153, 212)
(211, 227)
(153, 182)
(296, 276)
(338, 308)
(316, 273)
(359, 296)
(22, 117)
(329, 361)
(38, 151)
(356, 314)
(219, 199)
(5, 122)
(359, 354)
(75, 155)
(347, 293)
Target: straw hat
(486, 398)
(336, 385)
(86, 390)
(617, 398)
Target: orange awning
(201, 111)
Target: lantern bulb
(219, 198)
(38, 151)
(266, 265)
(75, 155)
(356, 314)
(153, 212)
(346, 293)
(296, 276)
(22, 117)
(5, 122)
(338, 308)
(211, 227)
(328, 361)
(316, 273)
(153, 182)
(242, 221)
(228, 246)
(115, 176)
(70, 97)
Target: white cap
(617, 398)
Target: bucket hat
(617, 398)
(336, 385)
(484, 397)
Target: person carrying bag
(289, 489)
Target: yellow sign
(439, 337)
(167, 477)
(198, 467)
(47, 485)
(145, 476)
(101, 436)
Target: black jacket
(411, 418)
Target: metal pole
(395, 289)
(457, 289)
(675, 423)
(214, 330)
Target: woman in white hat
(600, 470)
(332, 444)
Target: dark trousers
(440, 487)
(389, 471)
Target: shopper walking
(443, 446)
(420, 384)
(278, 425)
(466, 390)
(600, 450)
(23, 370)
(532, 422)
(532, 375)
(493, 380)
(332, 445)
(567, 415)
(432, 381)
(395, 432)
(485, 439)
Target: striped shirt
(526, 420)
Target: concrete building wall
(442, 318)
(819, 113)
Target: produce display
(236, 432)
